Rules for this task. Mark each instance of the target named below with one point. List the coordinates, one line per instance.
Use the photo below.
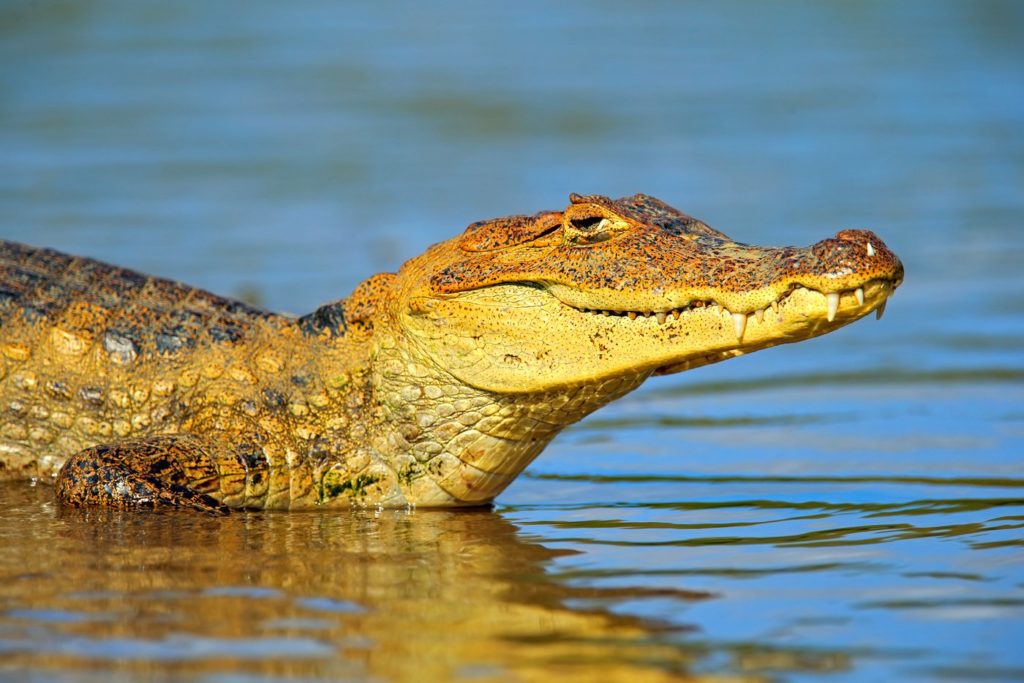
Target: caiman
(433, 386)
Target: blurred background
(852, 503)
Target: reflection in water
(434, 595)
(407, 596)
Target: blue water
(848, 508)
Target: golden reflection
(425, 595)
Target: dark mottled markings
(330, 317)
(273, 398)
(169, 342)
(52, 290)
(133, 314)
(49, 260)
(178, 407)
(225, 333)
(321, 450)
(21, 277)
(300, 380)
(179, 328)
(34, 313)
(253, 460)
(12, 252)
(240, 308)
(185, 319)
(250, 454)
(124, 280)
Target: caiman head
(610, 288)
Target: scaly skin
(432, 386)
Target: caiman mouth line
(832, 300)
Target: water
(848, 508)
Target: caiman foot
(163, 471)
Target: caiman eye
(588, 223)
(591, 229)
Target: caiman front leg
(177, 471)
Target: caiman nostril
(852, 235)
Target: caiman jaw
(800, 313)
(831, 302)
(765, 297)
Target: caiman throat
(433, 386)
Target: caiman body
(433, 386)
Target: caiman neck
(450, 443)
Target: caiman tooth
(832, 299)
(871, 249)
(775, 307)
(759, 314)
(662, 317)
(632, 315)
(859, 293)
(739, 323)
(675, 313)
(606, 313)
(880, 311)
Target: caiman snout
(858, 253)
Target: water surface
(849, 508)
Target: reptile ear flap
(513, 231)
